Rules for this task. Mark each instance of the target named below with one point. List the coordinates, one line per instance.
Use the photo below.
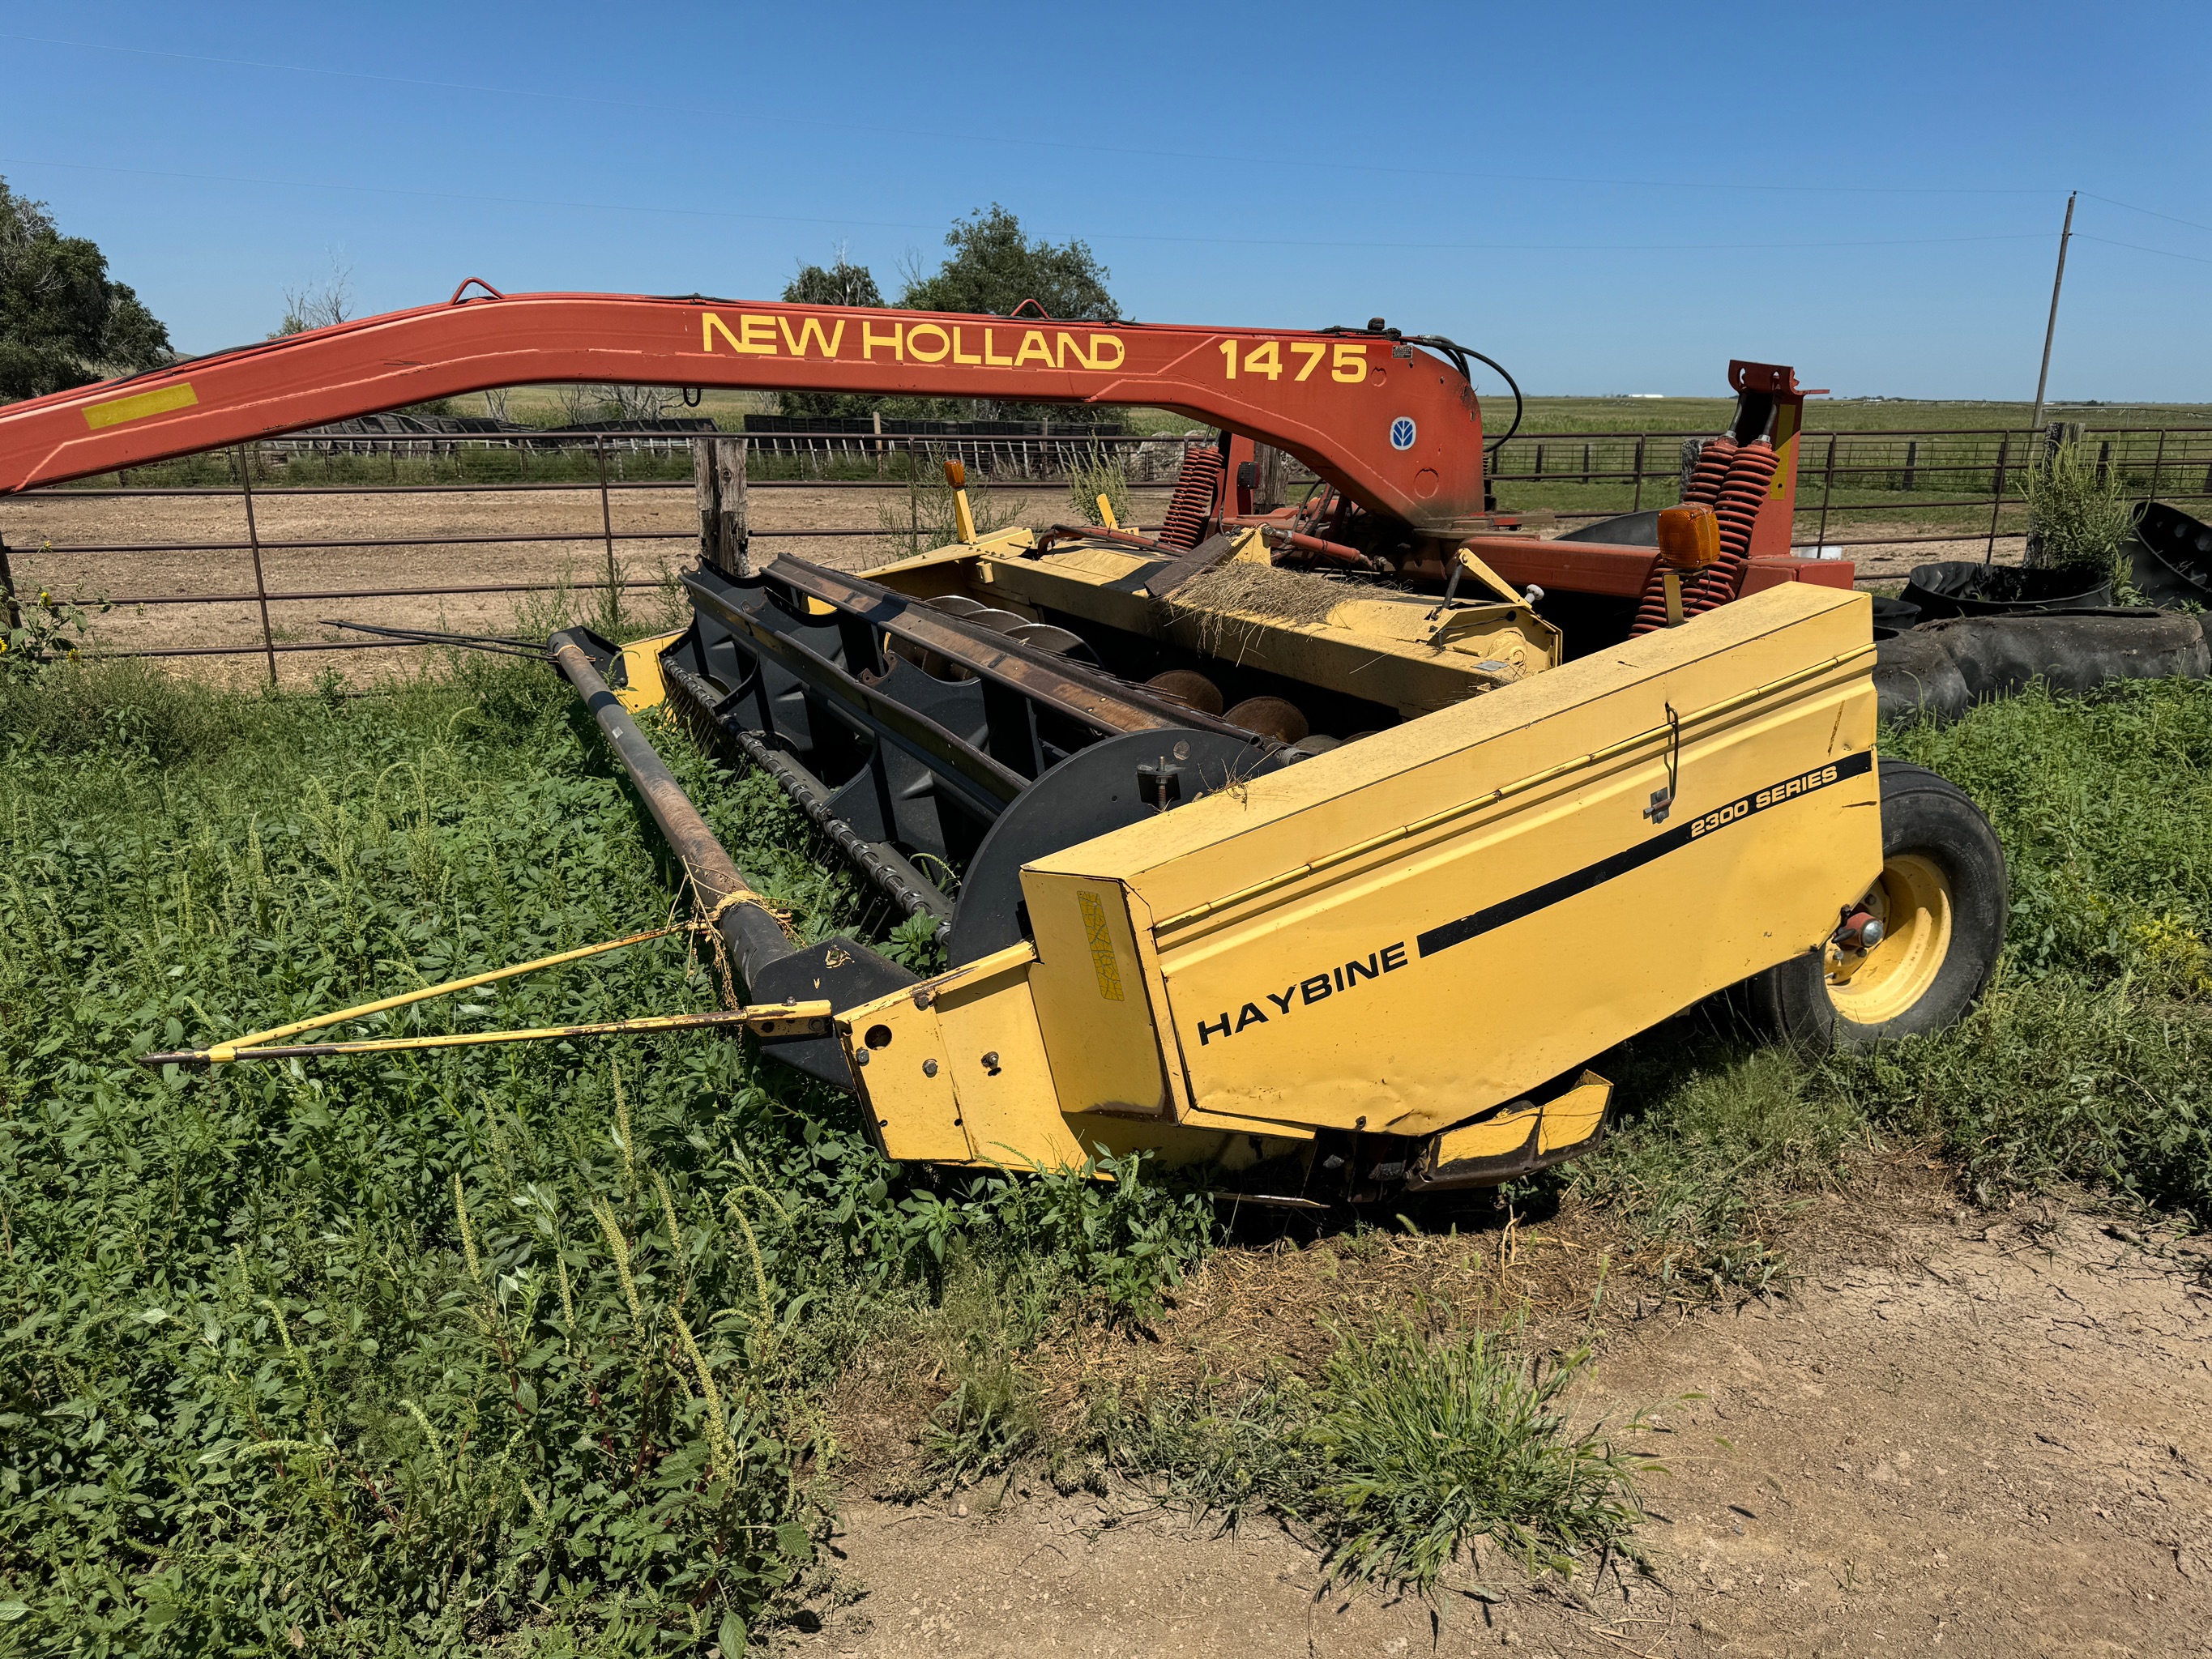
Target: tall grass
(1099, 472)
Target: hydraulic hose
(1459, 353)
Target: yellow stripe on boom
(180, 396)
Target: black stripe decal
(1444, 936)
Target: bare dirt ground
(652, 537)
(1959, 1434)
(654, 533)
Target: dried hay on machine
(1238, 599)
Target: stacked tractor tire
(1963, 634)
(1937, 671)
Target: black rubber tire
(1915, 679)
(1999, 656)
(1925, 814)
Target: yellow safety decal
(180, 396)
(1101, 947)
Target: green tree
(63, 322)
(841, 284)
(995, 266)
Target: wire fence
(339, 459)
(1953, 484)
(605, 466)
(1954, 478)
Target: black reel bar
(940, 745)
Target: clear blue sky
(1606, 198)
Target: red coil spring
(1703, 485)
(1749, 476)
(1198, 487)
(1710, 472)
(1733, 481)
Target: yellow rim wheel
(1912, 899)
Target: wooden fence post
(718, 476)
(9, 607)
(1274, 478)
(704, 493)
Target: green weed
(1096, 474)
(126, 711)
(2105, 808)
(1721, 1143)
(924, 519)
(2079, 510)
(38, 631)
(1403, 1457)
(1427, 1445)
(1021, 1256)
(1105, 1237)
(980, 1329)
(2058, 1077)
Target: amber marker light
(1689, 539)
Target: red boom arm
(1397, 430)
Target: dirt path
(1955, 1438)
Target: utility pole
(2051, 328)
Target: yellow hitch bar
(775, 1019)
